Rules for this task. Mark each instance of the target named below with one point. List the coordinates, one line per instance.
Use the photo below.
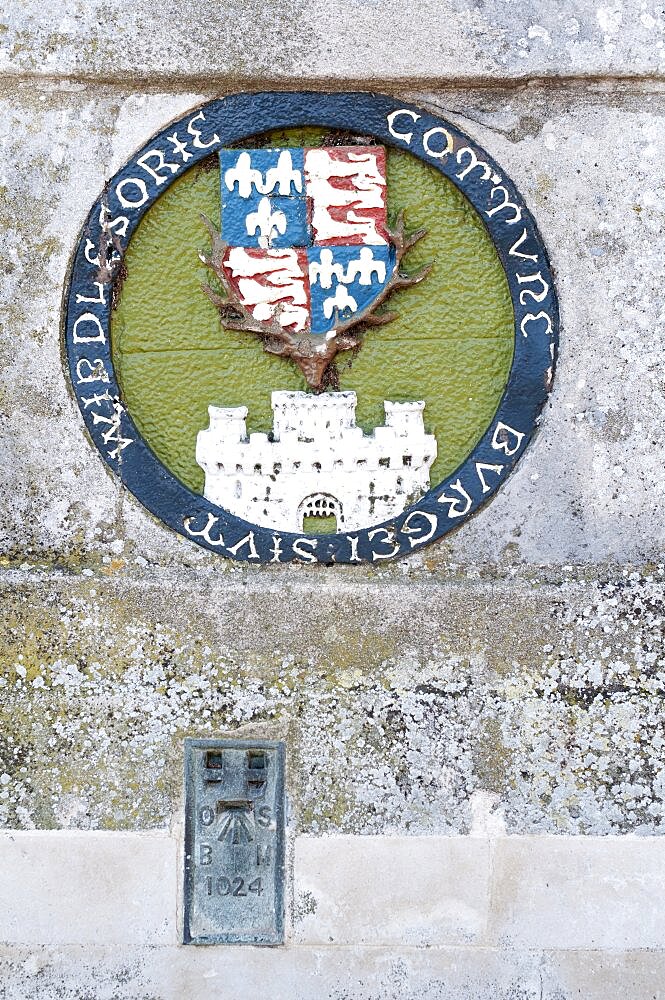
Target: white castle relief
(316, 462)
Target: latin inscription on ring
(337, 271)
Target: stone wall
(483, 720)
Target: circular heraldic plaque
(311, 327)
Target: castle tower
(316, 462)
(227, 423)
(405, 418)
(312, 417)
(221, 439)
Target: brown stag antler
(312, 353)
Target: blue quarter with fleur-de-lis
(344, 280)
(263, 198)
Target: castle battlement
(315, 461)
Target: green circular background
(451, 345)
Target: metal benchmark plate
(234, 842)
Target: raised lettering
(437, 154)
(404, 136)
(211, 522)
(197, 143)
(137, 183)
(514, 252)
(156, 154)
(303, 553)
(423, 532)
(264, 817)
(248, 540)
(387, 540)
(118, 225)
(207, 815)
(96, 400)
(501, 438)
(99, 298)
(96, 371)
(89, 248)
(353, 543)
(482, 468)
(535, 318)
(276, 549)
(99, 337)
(263, 854)
(113, 433)
(524, 279)
(179, 147)
(506, 203)
(454, 509)
(473, 164)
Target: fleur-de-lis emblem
(268, 223)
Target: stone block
(603, 975)
(573, 893)
(71, 887)
(390, 890)
(312, 973)
(244, 973)
(288, 40)
(587, 490)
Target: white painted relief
(363, 269)
(247, 178)
(267, 223)
(316, 462)
(347, 194)
(271, 285)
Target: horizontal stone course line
(219, 85)
(294, 948)
(522, 893)
(342, 37)
(345, 583)
(548, 578)
(312, 973)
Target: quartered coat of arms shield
(306, 259)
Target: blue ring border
(233, 119)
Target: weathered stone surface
(397, 699)
(595, 893)
(342, 40)
(327, 973)
(511, 676)
(401, 890)
(597, 975)
(311, 973)
(82, 888)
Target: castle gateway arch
(321, 505)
